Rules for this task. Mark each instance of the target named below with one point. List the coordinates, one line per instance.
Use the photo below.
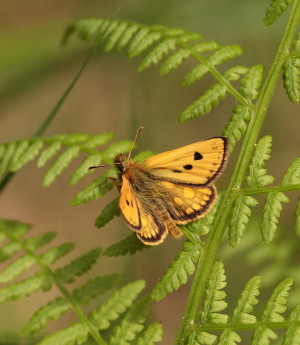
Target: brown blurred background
(111, 96)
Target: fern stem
(245, 327)
(258, 114)
(61, 286)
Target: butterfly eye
(120, 167)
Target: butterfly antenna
(135, 139)
(101, 166)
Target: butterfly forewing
(128, 205)
(197, 164)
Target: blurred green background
(111, 96)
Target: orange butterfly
(169, 189)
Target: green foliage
(121, 315)
(275, 10)
(174, 45)
(130, 245)
(111, 210)
(257, 175)
(242, 318)
(214, 297)
(45, 278)
(271, 213)
(116, 305)
(237, 126)
(178, 272)
(291, 79)
(17, 154)
(240, 217)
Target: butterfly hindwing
(197, 164)
(187, 203)
(155, 226)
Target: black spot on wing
(127, 202)
(177, 171)
(188, 167)
(197, 156)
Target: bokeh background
(111, 96)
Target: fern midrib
(213, 242)
(266, 190)
(244, 327)
(75, 306)
(216, 74)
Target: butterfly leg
(117, 182)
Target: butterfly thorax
(134, 172)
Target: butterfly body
(171, 188)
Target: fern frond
(234, 73)
(257, 175)
(52, 311)
(156, 55)
(48, 153)
(178, 272)
(126, 331)
(277, 302)
(109, 212)
(237, 125)
(221, 55)
(95, 287)
(252, 82)
(240, 217)
(7, 157)
(275, 10)
(224, 54)
(16, 268)
(130, 245)
(60, 165)
(245, 305)
(132, 323)
(72, 335)
(142, 41)
(271, 213)
(297, 225)
(194, 75)
(201, 338)
(214, 297)
(153, 334)
(98, 188)
(205, 103)
(17, 154)
(7, 251)
(292, 175)
(54, 254)
(109, 154)
(291, 78)
(116, 305)
(82, 170)
(28, 155)
(292, 334)
(25, 288)
(229, 337)
(263, 335)
(174, 61)
(78, 266)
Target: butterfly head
(121, 161)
